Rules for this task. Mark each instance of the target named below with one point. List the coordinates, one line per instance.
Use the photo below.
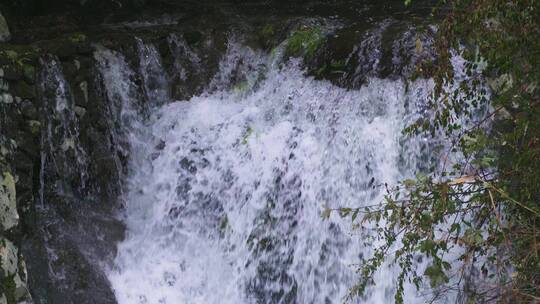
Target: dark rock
(23, 90)
(28, 110)
(29, 73)
(193, 37)
(5, 34)
(12, 72)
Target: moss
(305, 42)
(10, 54)
(19, 55)
(241, 87)
(266, 33)
(337, 64)
(29, 72)
(77, 38)
(335, 67)
(266, 36)
(35, 126)
(8, 288)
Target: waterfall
(225, 190)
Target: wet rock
(84, 90)
(29, 73)
(5, 35)
(28, 110)
(8, 256)
(193, 37)
(6, 98)
(8, 205)
(12, 72)
(34, 126)
(24, 90)
(4, 85)
(80, 111)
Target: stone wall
(17, 131)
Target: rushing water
(225, 191)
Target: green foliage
(487, 204)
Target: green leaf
(343, 212)
(355, 214)
(436, 275)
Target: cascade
(192, 156)
(226, 190)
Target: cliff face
(62, 152)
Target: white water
(226, 189)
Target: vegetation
(485, 206)
(305, 42)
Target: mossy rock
(68, 46)
(305, 42)
(77, 38)
(267, 36)
(29, 73)
(34, 126)
(267, 31)
(19, 55)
